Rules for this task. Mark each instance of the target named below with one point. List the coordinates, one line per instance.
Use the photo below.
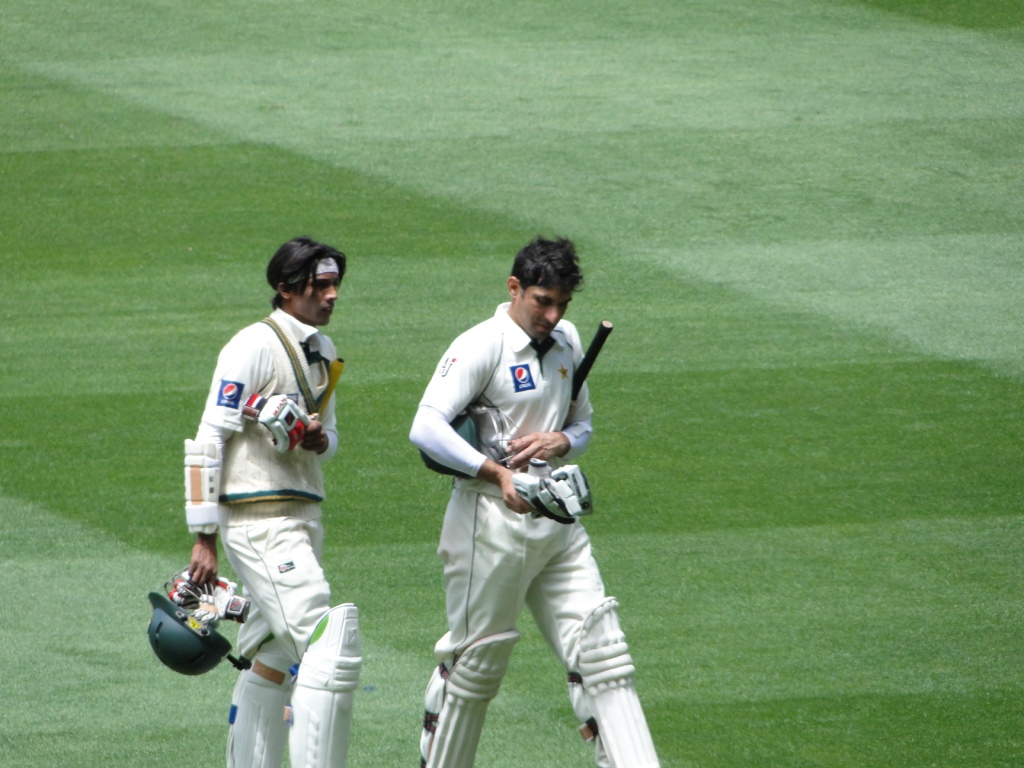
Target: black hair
(295, 263)
(548, 263)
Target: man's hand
(315, 439)
(203, 566)
(501, 476)
(538, 445)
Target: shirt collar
(517, 338)
(299, 329)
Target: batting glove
(554, 499)
(282, 416)
(210, 603)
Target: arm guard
(202, 483)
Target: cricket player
(253, 476)
(498, 553)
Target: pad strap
(258, 736)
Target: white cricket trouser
(278, 562)
(496, 561)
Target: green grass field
(806, 219)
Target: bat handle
(581, 373)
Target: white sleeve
(579, 438)
(243, 367)
(433, 435)
(463, 372)
(330, 421)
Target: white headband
(326, 265)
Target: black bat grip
(580, 374)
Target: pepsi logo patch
(522, 379)
(285, 567)
(230, 394)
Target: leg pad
(321, 709)
(473, 681)
(607, 670)
(259, 733)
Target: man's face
(316, 302)
(535, 309)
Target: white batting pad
(608, 680)
(259, 731)
(474, 680)
(321, 710)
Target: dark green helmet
(182, 643)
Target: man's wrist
(492, 472)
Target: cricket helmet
(185, 645)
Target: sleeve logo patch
(522, 379)
(230, 394)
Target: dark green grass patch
(970, 14)
(798, 445)
(952, 730)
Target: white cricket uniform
(269, 510)
(496, 560)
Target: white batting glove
(527, 486)
(223, 602)
(282, 416)
(554, 499)
(207, 603)
(183, 592)
(571, 475)
(558, 496)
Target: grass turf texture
(804, 219)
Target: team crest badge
(522, 379)
(230, 394)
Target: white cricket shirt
(495, 364)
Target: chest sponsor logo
(522, 379)
(230, 394)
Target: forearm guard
(202, 483)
